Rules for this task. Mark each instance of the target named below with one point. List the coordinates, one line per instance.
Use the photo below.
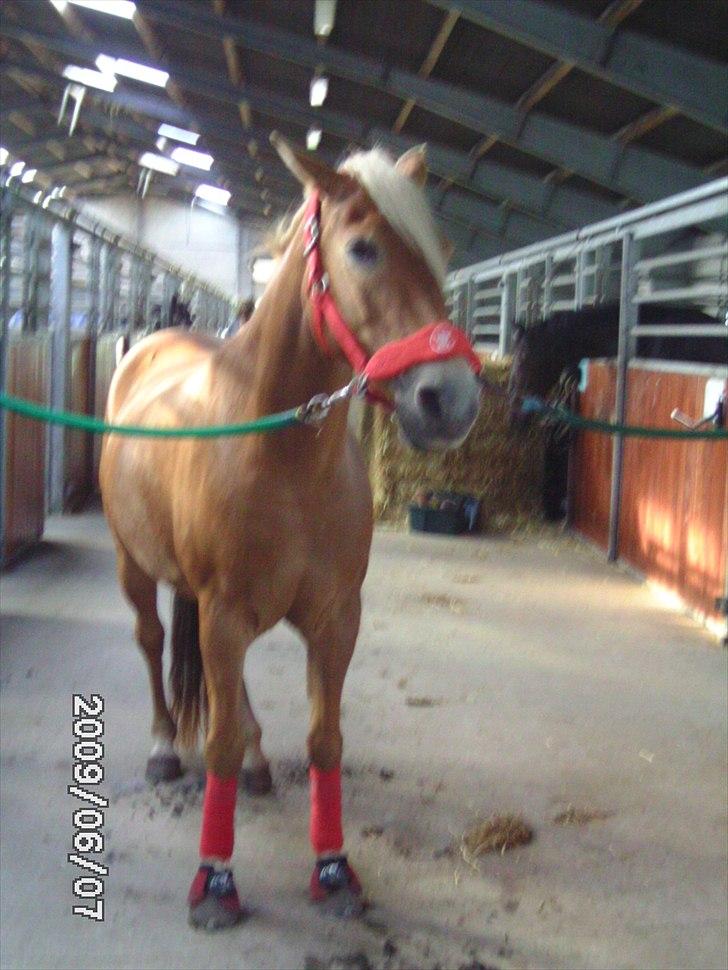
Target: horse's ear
(413, 164)
(519, 332)
(308, 169)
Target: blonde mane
(400, 201)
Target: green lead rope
(83, 422)
(285, 419)
(535, 405)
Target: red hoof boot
(213, 899)
(335, 887)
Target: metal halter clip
(316, 410)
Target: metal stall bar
(625, 351)
(5, 225)
(60, 320)
(507, 313)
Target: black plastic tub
(460, 516)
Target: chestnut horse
(252, 530)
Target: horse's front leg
(224, 638)
(334, 883)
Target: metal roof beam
(653, 69)
(481, 213)
(634, 172)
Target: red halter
(438, 341)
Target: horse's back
(159, 359)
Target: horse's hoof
(213, 899)
(336, 890)
(257, 781)
(163, 767)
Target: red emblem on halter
(436, 342)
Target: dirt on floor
(510, 676)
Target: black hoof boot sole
(336, 890)
(214, 902)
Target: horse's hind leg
(141, 590)
(256, 769)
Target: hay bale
(503, 470)
(497, 834)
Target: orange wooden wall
(23, 506)
(673, 524)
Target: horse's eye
(364, 252)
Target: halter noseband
(436, 342)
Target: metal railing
(672, 251)
(585, 267)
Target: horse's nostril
(428, 399)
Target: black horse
(546, 356)
(543, 351)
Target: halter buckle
(321, 285)
(314, 232)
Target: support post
(507, 314)
(60, 322)
(469, 307)
(579, 279)
(628, 311)
(548, 287)
(6, 215)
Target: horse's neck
(284, 366)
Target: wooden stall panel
(592, 458)
(109, 347)
(673, 524)
(28, 376)
(78, 448)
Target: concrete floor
(542, 679)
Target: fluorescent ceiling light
(159, 163)
(186, 156)
(313, 139)
(210, 206)
(91, 79)
(117, 8)
(16, 169)
(60, 5)
(160, 144)
(178, 134)
(323, 17)
(132, 69)
(28, 175)
(319, 90)
(263, 269)
(37, 197)
(212, 194)
(3, 155)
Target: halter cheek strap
(437, 342)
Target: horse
(251, 530)
(543, 351)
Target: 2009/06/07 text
(88, 819)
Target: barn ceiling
(539, 117)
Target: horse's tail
(186, 676)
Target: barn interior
(577, 159)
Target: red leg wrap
(326, 832)
(218, 817)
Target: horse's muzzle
(436, 404)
